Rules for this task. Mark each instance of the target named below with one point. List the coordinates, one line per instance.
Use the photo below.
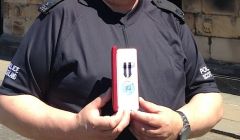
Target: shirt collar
(83, 2)
(126, 19)
(133, 15)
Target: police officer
(58, 83)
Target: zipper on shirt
(125, 35)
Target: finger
(154, 132)
(140, 130)
(123, 123)
(108, 122)
(102, 100)
(147, 118)
(135, 133)
(135, 128)
(148, 106)
(142, 117)
(148, 131)
(112, 133)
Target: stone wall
(18, 15)
(216, 25)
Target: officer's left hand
(156, 122)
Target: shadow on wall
(225, 5)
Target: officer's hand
(101, 127)
(157, 122)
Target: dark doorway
(1, 17)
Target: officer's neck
(121, 6)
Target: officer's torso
(82, 69)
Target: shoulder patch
(166, 5)
(47, 5)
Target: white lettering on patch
(12, 71)
(205, 72)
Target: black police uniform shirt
(65, 57)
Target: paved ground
(227, 129)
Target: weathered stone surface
(35, 1)
(18, 27)
(190, 20)
(225, 50)
(218, 26)
(16, 1)
(192, 6)
(7, 26)
(229, 126)
(3, 69)
(7, 134)
(206, 18)
(18, 17)
(6, 10)
(21, 10)
(231, 112)
(222, 7)
(213, 136)
(203, 46)
(238, 7)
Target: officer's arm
(32, 118)
(203, 112)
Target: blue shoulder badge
(166, 5)
(47, 5)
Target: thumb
(100, 101)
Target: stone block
(7, 25)
(203, 46)
(6, 10)
(22, 11)
(213, 136)
(232, 112)
(238, 8)
(222, 7)
(35, 1)
(4, 66)
(15, 9)
(16, 1)
(18, 28)
(226, 50)
(228, 126)
(190, 21)
(218, 26)
(27, 23)
(24, 25)
(18, 19)
(192, 6)
(34, 11)
(231, 99)
(8, 134)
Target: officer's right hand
(98, 127)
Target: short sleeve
(28, 72)
(199, 78)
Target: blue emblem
(128, 88)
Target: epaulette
(47, 5)
(166, 5)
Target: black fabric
(48, 5)
(65, 58)
(166, 5)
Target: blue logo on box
(128, 88)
